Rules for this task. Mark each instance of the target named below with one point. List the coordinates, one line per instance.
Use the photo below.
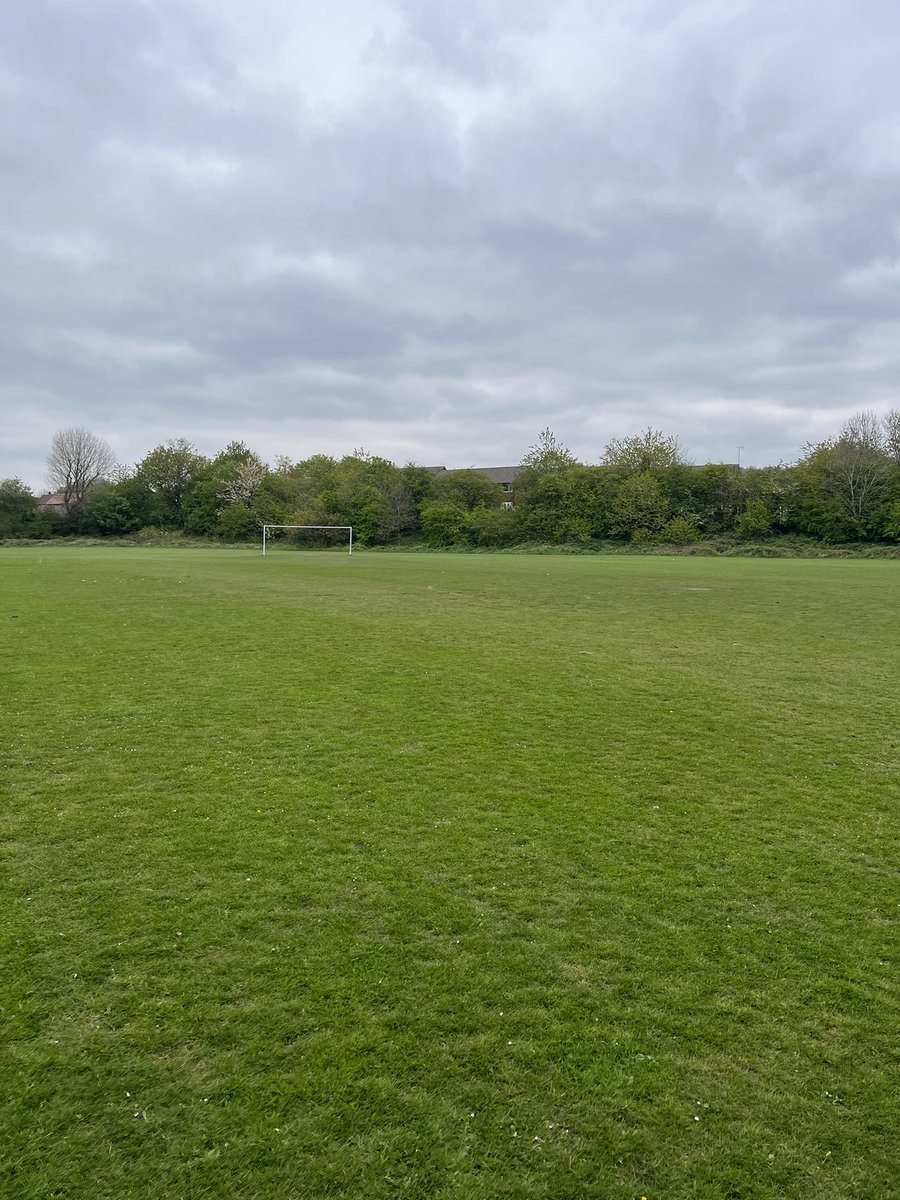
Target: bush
(17, 509)
(110, 512)
(492, 526)
(754, 521)
(444, 524)
(238, 524)
(892, 523)
(680, 531)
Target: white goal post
(266, 528)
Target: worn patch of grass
(447, 876)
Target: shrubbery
(643, 495)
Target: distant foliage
(17, 509)
(754, 522)
(892, 522)
(467, 488)
(650, 450)
(444, 523)
(548, 455)
(492, 527)
(642, 505)
(849, 481)
(680, 531)
(644, 492)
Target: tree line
(844, 489)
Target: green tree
(754, 522)
(548, 455)
(648, 451)
(272, 504)
(201, 507)
(420, 481)
(112, 512)
(398, 509)
(545, 492)
(444, 523)
(355, 491)
(238, 523)
(844, 481)
(170, 472)
(46, 524)
(17, 509)
(468, 488)
(892, 522)
(641, 507)
(308, 478)
(572, 505)
(493, 527)
(777, 489)
(710, 495)
(680, 531)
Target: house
(55, 501)
(504, 477)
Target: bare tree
(865, 430)
(78, 460)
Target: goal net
(267, 531)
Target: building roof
(495, 474)
(500, 474)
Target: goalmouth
(266, 528)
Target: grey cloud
(435, 229)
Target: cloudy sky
(432, 228)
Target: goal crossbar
(266, 528)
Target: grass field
(465, 877)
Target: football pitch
(465, 877)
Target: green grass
(464, 877)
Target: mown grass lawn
(465, 877)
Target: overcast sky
(432, 228)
